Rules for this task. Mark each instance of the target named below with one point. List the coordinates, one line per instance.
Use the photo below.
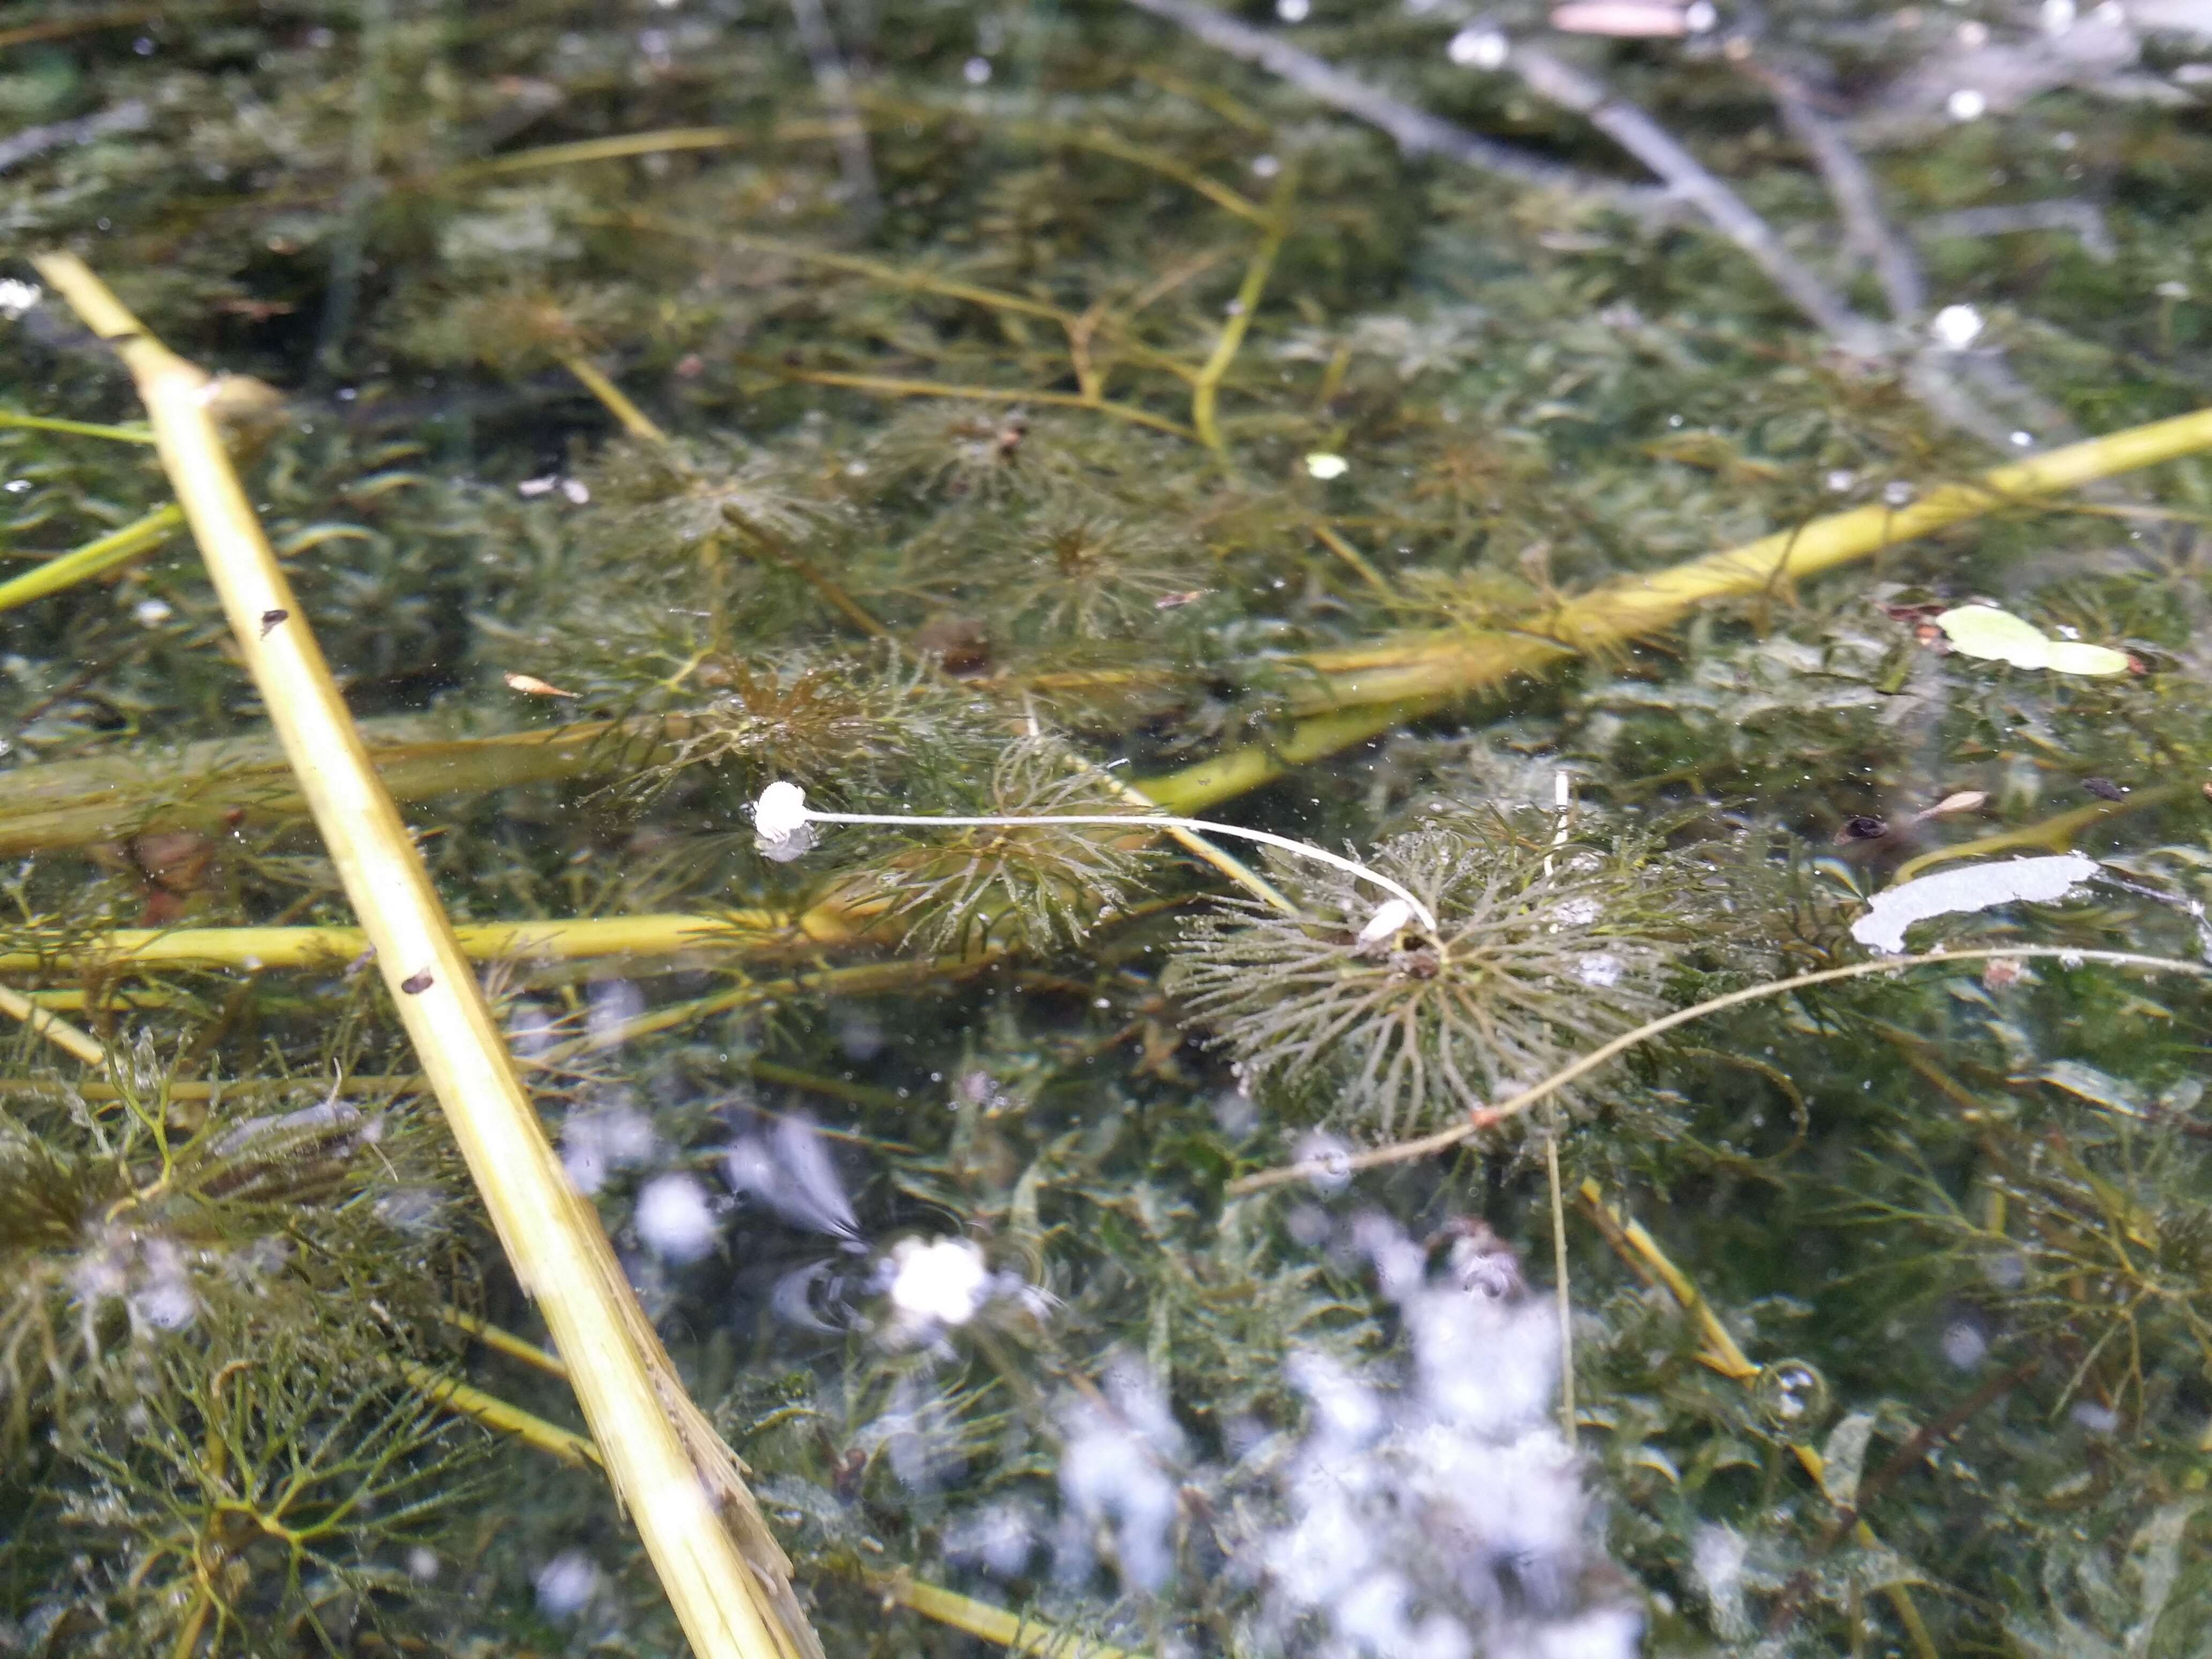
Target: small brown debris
(1861, 828)
(531, 686)
(414, 984)
(2000, 972)
(1176, 601)
(2104, 789)
(962, 645)
(270, 619)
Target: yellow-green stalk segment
(728, 1581)
(1364, 691)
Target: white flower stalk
(783, 826)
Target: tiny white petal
(1388, 919)
(1323, 466)
(779, 813)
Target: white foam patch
(676, 1219)
(1969, 888)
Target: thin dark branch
(1851, 182)
(855, 165)
(1688, 179)
(33, 141)
(1417, 131)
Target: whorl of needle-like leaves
(1036, 887)
(841, 729)
(124, 1223)
(1528, 969)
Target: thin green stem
(94, 558)
(1207, 388)
(122, 435)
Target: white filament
(781, 812)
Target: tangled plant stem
(1336, 1167)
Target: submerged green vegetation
(963, 410)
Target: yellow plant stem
(217, 783)
(94, 558)
(1329, 537)
(1630, 608)
(125, 434)
(1206, 389)
(635, 421)
(982, 1619)
(2052, 835)
(1419, 674)
(867, 979)
(1097, 139)
(724, 1574)
(923, 282)
(1629, 1237)
(507, 1342)
(1488, 1117)
(991, 1623)
(1194, 788)
(620, 147)
(575, 1449)
(707, 937)
(200, 1090)
(78, 1045)
(892, 385)
(776, 551)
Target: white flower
(1390, 916)
(779, 822)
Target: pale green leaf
(2067, 657)
(1982, 630)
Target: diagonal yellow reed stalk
(726, 1579)
(1361, 692)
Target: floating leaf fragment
(1985, 631)
(531, 686)
(1974, 887)
(1965, 800)
(2071, 657)
(2087, 1082)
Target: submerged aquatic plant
(1536, 951)
(1020, 447)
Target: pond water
(1667, 1116)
